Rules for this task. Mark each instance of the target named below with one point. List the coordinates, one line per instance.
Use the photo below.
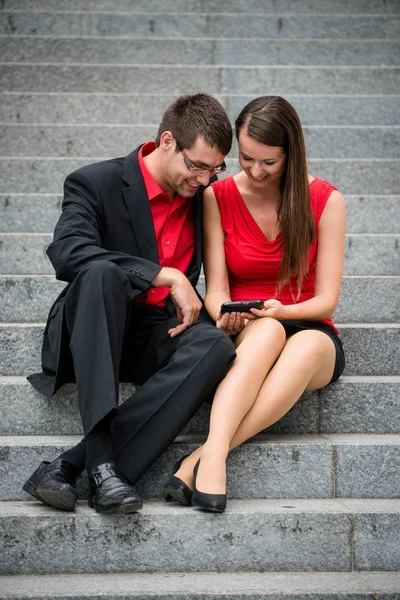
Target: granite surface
(204, 586)
(106, 108)
(210, 51)
(351, 405)
(200, 25)
(46, 175)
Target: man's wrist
(166, 277)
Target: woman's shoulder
(320, 186)
(320, 191)
(222, 184)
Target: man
(128, 243)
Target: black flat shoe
(54, 484)
(110, 492)
(211, 502)
(176, 489)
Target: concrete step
(38, 213)
(365, 254)
(27, 298)
(340, 141)
(235, 6)
(371, 349)
(254, 535)
(17, 77)
(290, 466)
(203, 586)
(184, 24)
(46, 175)
(352, 405)
(186, 51)
(99, 108)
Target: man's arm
(77, 236)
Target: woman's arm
(215, 269)
(329, 268)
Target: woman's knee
(311, 347)
(265, 331)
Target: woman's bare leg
(258, 347)
(306, 363)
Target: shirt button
(167, 242)
(153, 291)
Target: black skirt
(292, 327)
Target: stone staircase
(315, 501)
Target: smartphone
(243, 306)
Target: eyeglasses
(195, 169)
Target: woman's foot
(179, 486)
(185, 470)
(211, 474)
(213, 502)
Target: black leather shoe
(211, 502)
(54, 484)
(110, 492)
(176, 489)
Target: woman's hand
(273, 309)
(232, 323)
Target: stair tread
(250, 584)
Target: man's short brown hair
(197, 115)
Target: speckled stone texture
(292, 466)
(365, 254)
(176, 79)
(27, 299)
(367, 466)
(333, 52)
(251, 535)
(147, 108)
(46, 175)
(201, 25)
(370, 349)
(25, 253)
(39, 212)
(116, 140)
(351, 405)
(204, 586)
(384, 7)
(256, 535)
(33, 213)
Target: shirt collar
(152, 188)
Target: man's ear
(167, 141)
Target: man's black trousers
(111, 340)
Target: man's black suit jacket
(105, 216)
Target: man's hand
(184, 297)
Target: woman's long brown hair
(271, 120)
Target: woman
(276, 233)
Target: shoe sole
(172, 493)
(62, 500)
(214, 510)
(118, 510)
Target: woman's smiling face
(262, 164)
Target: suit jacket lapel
(138, 206)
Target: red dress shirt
(174, 228)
